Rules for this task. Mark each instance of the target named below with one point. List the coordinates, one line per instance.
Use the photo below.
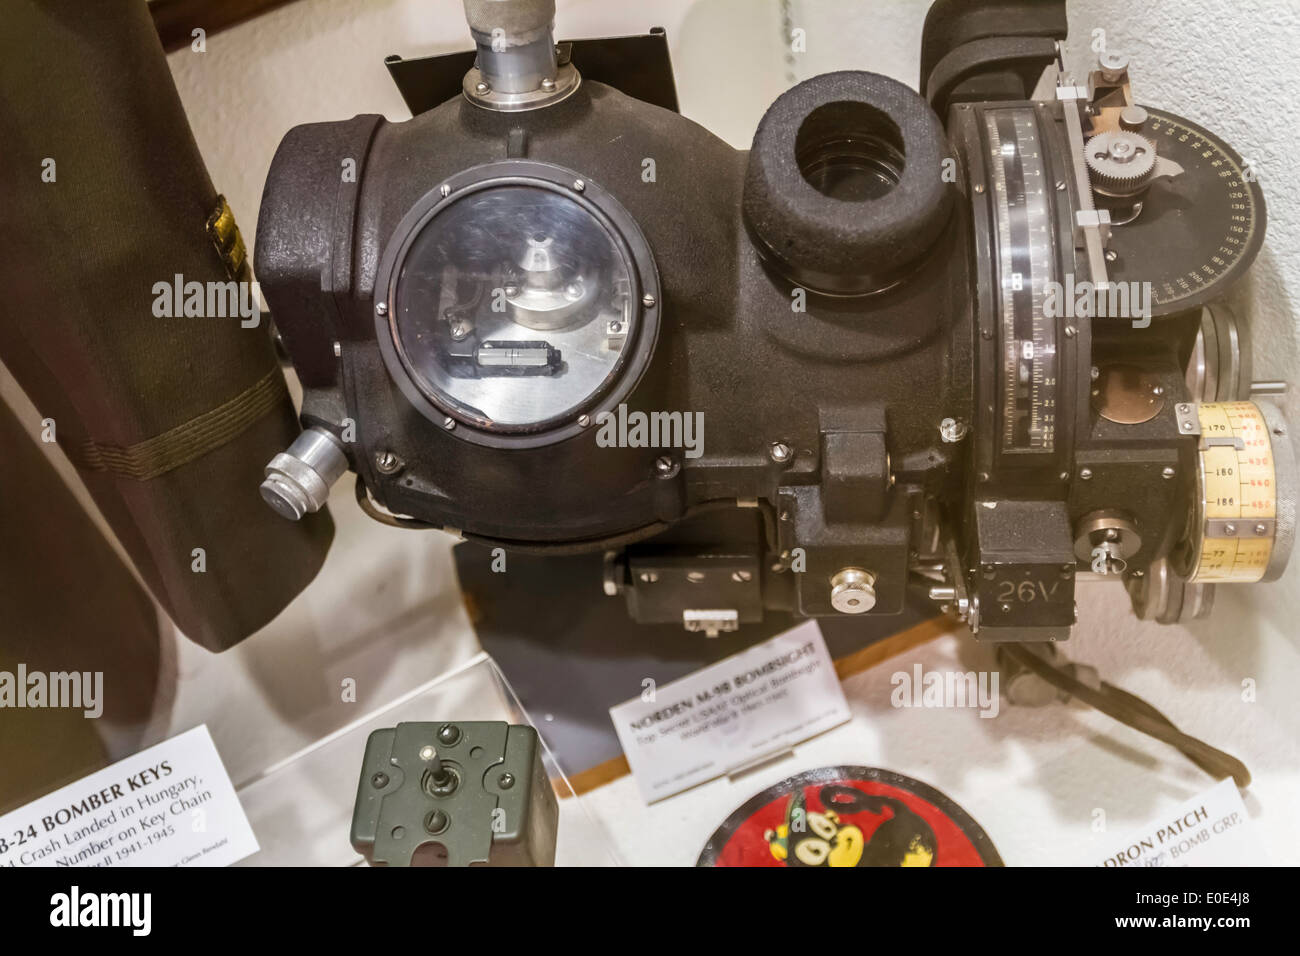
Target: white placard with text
(728, 715)
(170, 805)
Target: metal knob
(298, 479)
(853, 591)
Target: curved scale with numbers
(1198, 231)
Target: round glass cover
(513, 307)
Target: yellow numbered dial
(1234, 524)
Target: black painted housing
(855, 386)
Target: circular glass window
(513, 307)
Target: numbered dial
(1243, 519)
(1026, 264)
(1198, 231)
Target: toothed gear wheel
(1120, 163)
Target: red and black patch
(850, 816)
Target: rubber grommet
(845, 188)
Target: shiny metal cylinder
(516, 45)
(298, 480)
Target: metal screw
(1060, 185)
(1111, 255)
(548, 85)
(436, 821)
(427, 752)
(740, 577)
(444, 191)
(1085, 474)
(951, 430)
(584, 421)
(338, 349)
(387, 462)
(379, 780)
(1230, 529)
(1184, 408)
(665, 466)
(1167, 473)
(579, 185)
(1071, 331)
(1188, 426)
(449, 423)
(695, 577)
(480, 87)
(648, 577)
(1261, 529)
(979, 187)
(382, 308)
(449, 734)
(780, 451)
(648, 301)
(506, 780)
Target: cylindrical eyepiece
(845, 190)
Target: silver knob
(298, 479)
(853, 591)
